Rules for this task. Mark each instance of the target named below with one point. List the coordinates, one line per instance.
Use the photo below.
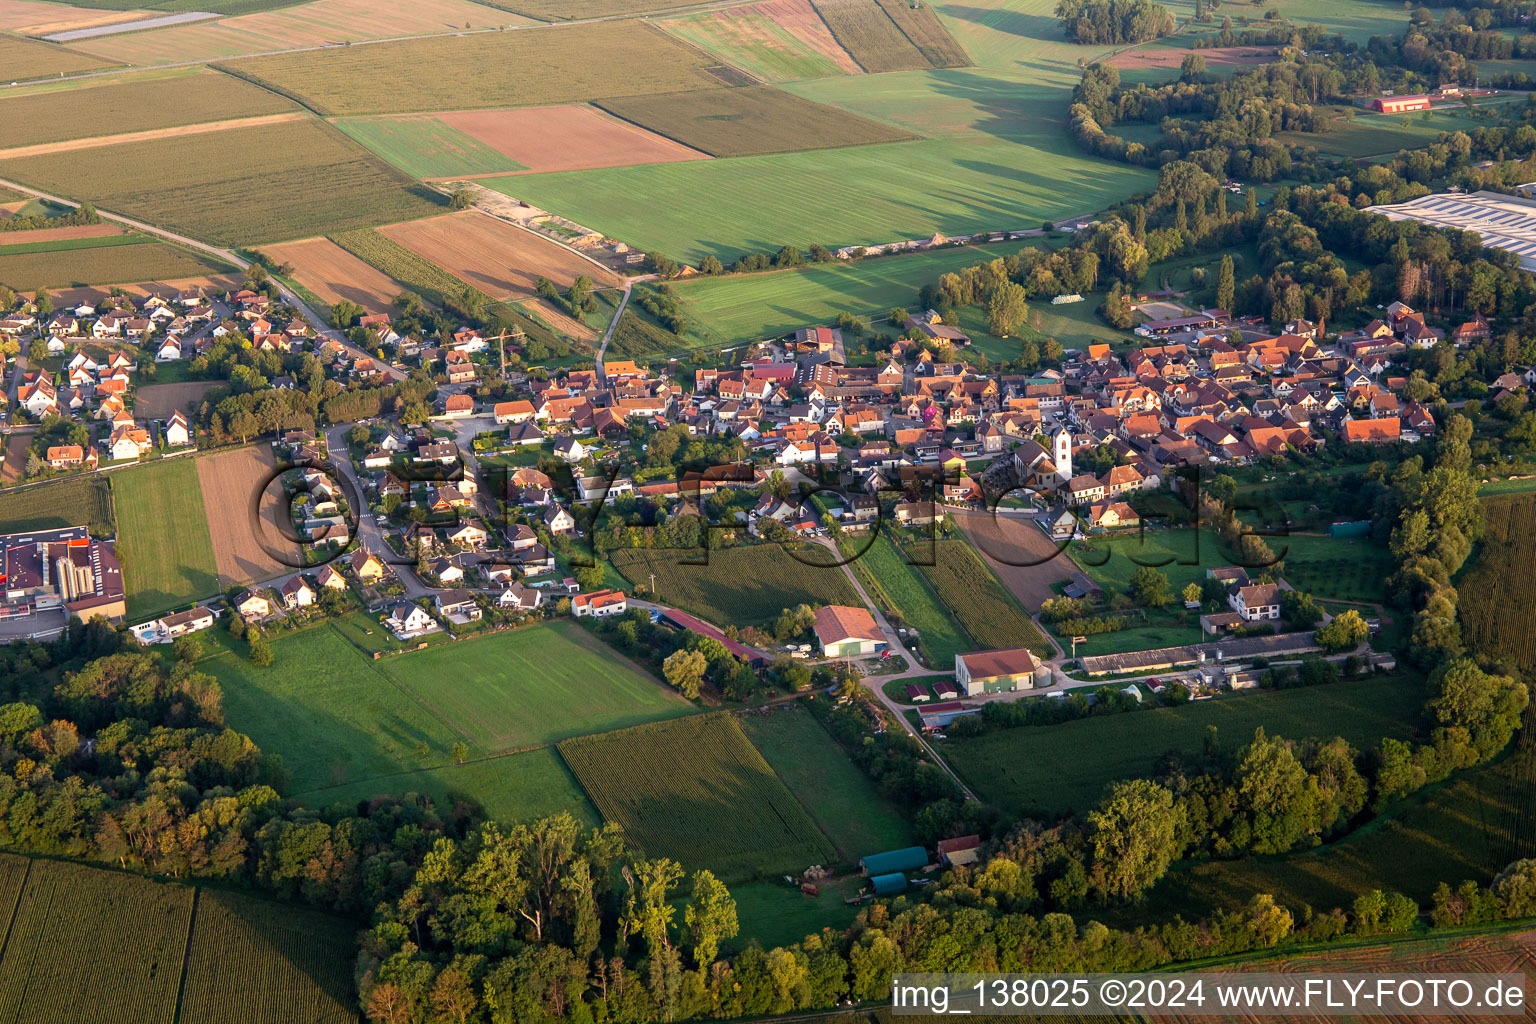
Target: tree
(1135, 836)
(1149, 587)
(345, 313)
(1345, 631)
(462, 199)
(1225, 288)
(460, 752)
(1006, 310)
(590, 577)
(35, 464)
(1191, 593)
(685, 670)
(261, 652)
(1193, 68)
(187, 648)
(42, 302)
(711, 266)
(709, 917)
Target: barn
(913, 858)
(1401, 104)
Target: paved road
(368, 529)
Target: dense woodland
(1101, 22)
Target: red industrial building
(1401, 104)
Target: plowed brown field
(571, 137)
(243, 549)
(59, 234)
(158, 401)
(334, 274)
(501, 260)
(559, 319)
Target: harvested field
(158, 401)
(166, 289)
(924, 30)
(569, 137)
(864, 29)
(309, 180)
(105, 265)
(30, 58)
(751, 121)
(121, 105)
(1024, 559)
(334, 274)
(498, 258)
(421, 276)
(559, 319)
(308, 24)
(579, 63)
(22, 14)
(575, 10)
(151, 135)
(242, 549)
(10, 238)
(1215, 56)
(778, 40)
(14, 466)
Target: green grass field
(695, 789)
(1047, 770)
(980, 603)
(883, 569)
(839, 796)
(424, 147)
(753, 42)
(83, 500)
(744, 585)
(1378, 134)
(776, 914)
(162, 536)
(10, 248)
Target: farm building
(1400, 104)
(887, 885)
(999, 671)
(845, 632)
(937, 716)
(912, 858)
(961, 850)
(682, 620)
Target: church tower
(1062, 454)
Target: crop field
(1495, 606)
(866, 31)
(988, 612)
(883, 570)
(1051, 769)
(29, 58)
(860, 195)
(398, 263)
(39, 240)
(566, 137)
(83, 500)
(158, 401)
(575, 10)
(124, 104)
(334, 274)
(151, 135)
(163, 536)
(26, 14)
(308, 24)
(423, 146)
(311, 180)
(72, 267)
(695, 789)
(924, 31)
(750, 121)
(838, 795)
(291, 964)
(509, 787)
(72, 907)
(776, 40)
(245, 550)
(428, 74)
(725, 310)
(502, 260)
(745, 585)
(531, 686)
(962, 103)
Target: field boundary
(149, 135)
(186, 952)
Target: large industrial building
(1503, 222)
(60, 570)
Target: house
(518, 596)
(524, 434)
(1380, 431)
(960, 850)
(330, 579)
(1000, 671)
(469, 535)
(600, 604)
(367, 566)
(297, 594)
(458, 406)
(457, 604)
(513, 412)
(169, 351)
(570, 450)
(446, 570)
(252, 605)
(65, 456)
(1255, 601)
(843, 631)
(128, 442)
(407, 620)
(1115, 516)
(178, 431)
(181, 623)
(558, 520)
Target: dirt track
(95, 142)
(334, 274)
(241, 546)
(500, 259)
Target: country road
(629, 286)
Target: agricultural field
(39, 16)
(29, 58)
(76, 264)
(838, 795)
(311, 180)
(423, 146)
(1495, 599)
(776, 40)
(152, 135)
(42, 239)
(158, 401)
(245, 549)
(990, 614)
(884, 571)
(1052, 769)
(508, 787)
(866, 31)
(1002, 541)
(726, 310)
(309, 24)
(398, 263)
(132, 104)
(1346, 569)
(163, 540)
(576, 10)
(750, 121)
(82, 500)
(695, 789)
(428, 74)
(500, 259)
(333, 274)
(925, 32)
(748, 586)
(291, 961)
(532, 686)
